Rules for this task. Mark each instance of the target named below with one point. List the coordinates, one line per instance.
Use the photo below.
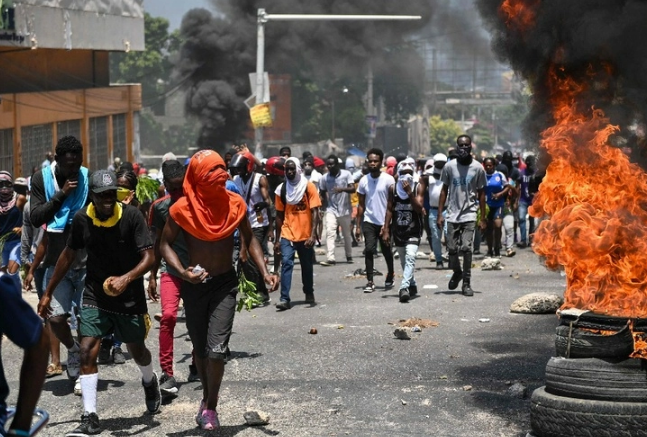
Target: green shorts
(127, 328)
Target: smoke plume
(219, 50)
(599, 43)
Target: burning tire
(557, 416)
(580, 343)
(597, 379)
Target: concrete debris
(402, 333)
(537, 303)
(256, 418)
(313, 330)
(467, 388)
(421, 255)
(491, 264)
(484, 320)
(518, 390)
(403, 402)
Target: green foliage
(249, 298)
(482, 137)
(442, 134)
(146, 190)
(312, 109)
(151, 66)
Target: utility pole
(369, 100)
(263, 17)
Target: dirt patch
(415, 321)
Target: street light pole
(263, 17)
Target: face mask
(122, 193)
(464, 151)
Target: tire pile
(593, 388)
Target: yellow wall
(26, 109)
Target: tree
(442, 134)
(152, 68)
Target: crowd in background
(293, 205)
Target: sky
(173, 10)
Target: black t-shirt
(112, 252)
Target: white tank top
(251, 193)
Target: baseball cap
(103, 180)
(440, 157)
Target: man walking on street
(254, 189)
(120, 252)
(57, 193)
(170, 279)
(207, 217)
(336, 187)
(404, 217)
(297, 216)
(464, 191)
(373, 193)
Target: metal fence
(6, 150)
(99, 158)
(119, 149)
(35, 142)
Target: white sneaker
(73, 364)
(77, 387)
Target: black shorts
(210, 309)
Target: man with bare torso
(208, 215)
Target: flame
(596, 201)
(519, 14)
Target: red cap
(318, 162)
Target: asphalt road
(353, 377)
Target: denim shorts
(11, 252)
(495, 213)
(69, 290)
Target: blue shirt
(20, 324)
(496, 182)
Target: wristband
(18, 432)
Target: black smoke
(219, 51)
(599, 43)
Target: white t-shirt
(338, 203)
(435, 187)
(376, 191)
(315, 178)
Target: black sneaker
(404, 295)
(89, 426)
(283, 305)
(310, 298)
(389, 281)
(153, 395)
(168, 385)
(440, 266)
(413, 290)
(193, 373)
(455, 280)
(104, 353)
(330, 262)
(118, 356)
(349, 259)
(467, 290)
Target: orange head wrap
(208, 211)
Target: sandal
(53, 370)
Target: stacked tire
(592, 387)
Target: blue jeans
(523, 213)
(306, 258)
(408, 261)
(436, 236)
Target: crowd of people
(86, 242)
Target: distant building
(54, 80)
